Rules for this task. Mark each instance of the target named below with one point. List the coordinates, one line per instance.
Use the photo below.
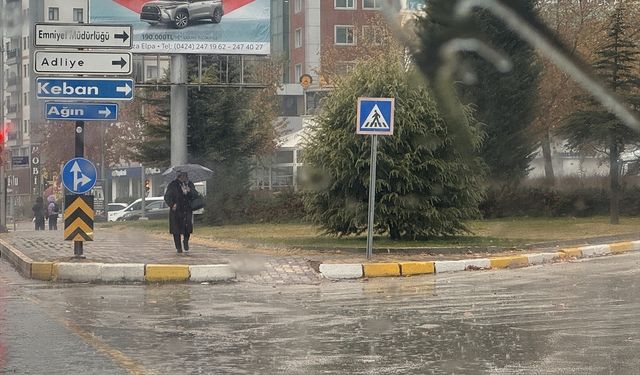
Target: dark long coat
(180, 220)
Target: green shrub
(541, 202)
(275, 206)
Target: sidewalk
(122, 254)
(129, 246)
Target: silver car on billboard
(180, 13)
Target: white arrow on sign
(82, 62)
(106, 112)
(126, 89)
(78, 178)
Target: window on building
(371, 4)
(289, 105)
(344, 4)
(78, 15)
(54, 14)
(344, 35)
(298, 71)
(284, 157)
(297, 6)
(373, 34)
(24, 42)
(25, 100)
(345, 67)
(298, 38)
(152, 72)
(25, 126)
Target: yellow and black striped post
(78, 218)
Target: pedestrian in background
(52, 211)
(178, 197)
(38, 213)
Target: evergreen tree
(504, 102)
(424, 186)
(593, 128)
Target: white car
(136, 205)
(114, 207)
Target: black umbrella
(196, 172)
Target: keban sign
(118, 63)
(375, 116)
(81, 111)
(84, 88)
(77, 35)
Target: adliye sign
(190, 26)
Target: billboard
(190, 26)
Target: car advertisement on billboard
(190, 26)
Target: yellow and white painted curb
(356, 271)
(113, 272)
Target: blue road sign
(80, 111)
(79, 175)
(375, 116)
(84, 88)
(19, 161)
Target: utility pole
(179, 104)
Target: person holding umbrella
(178, 197)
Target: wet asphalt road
(570, 318)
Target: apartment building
(21, 111)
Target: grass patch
(497, 232)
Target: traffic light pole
(144, 193)
(79, 146)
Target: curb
(366, 270)
(113, 272)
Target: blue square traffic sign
(375, 116)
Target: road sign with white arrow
(79, 175)
(84, 88)
(81, 111)
(76, 35)
(85, 62)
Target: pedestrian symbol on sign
(375, 120)
(375, 116)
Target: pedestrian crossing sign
(375, 116)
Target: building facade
(21, 111)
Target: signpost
(81, 111)
(84, 88)
(85, 62)
(374, 117)
(19, 161)
(74, 35)
(79, 175)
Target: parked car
(112, 208)
(134, 210)
(180, 13)
(156, 209)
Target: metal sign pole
(372, 195)
(79, 146)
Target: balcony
(12, 108)
(12, 54)
(12, 136)
(12, 83)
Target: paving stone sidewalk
(122, 245)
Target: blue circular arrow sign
(79, 175)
